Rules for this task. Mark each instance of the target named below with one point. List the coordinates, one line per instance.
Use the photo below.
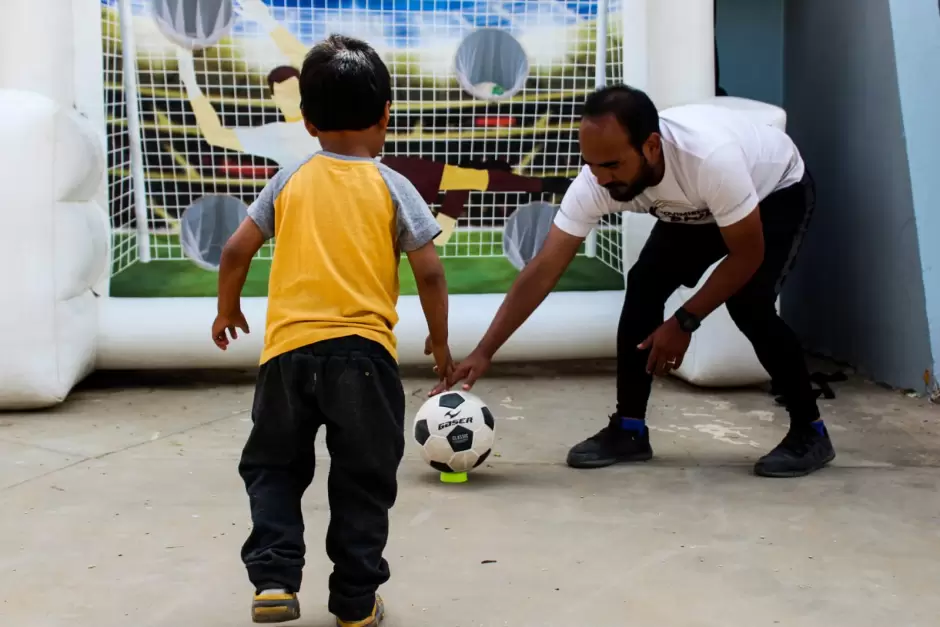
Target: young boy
(341, 220)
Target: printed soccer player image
(288, 142)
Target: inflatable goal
(134, 134)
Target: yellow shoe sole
(275, 608)
(378, 615)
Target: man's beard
(625, 192)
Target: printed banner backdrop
(484, 123)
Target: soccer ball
(456, 431)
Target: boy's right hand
(228, 322)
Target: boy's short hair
(344, 85)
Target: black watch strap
(687, 321)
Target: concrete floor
(123, 507)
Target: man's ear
(311, 128)
(653, 147)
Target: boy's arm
(417, 229)
(237, 254)
(432, 291)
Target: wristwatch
(687, 321)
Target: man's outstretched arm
(584, 204)
(527, 292)
(530, 288)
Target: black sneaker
(803, 450)
(611, 445)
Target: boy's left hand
(228, 322)
(443, 364)
(444, 373)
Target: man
(721, 187)
(288, 142)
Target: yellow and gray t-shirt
(341, 224)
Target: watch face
(687, 321)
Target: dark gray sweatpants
(352, 387)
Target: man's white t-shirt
(282, 142)
(719, 166)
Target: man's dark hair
(633, 109)
(344, 85)
(282, 73)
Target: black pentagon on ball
(422, 433)
(441, 467)
(451, 400)
(460, 438)
(488, 417)
(483, 458)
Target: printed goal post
(456, 101)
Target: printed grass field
(169, 276)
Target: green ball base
(453, 477)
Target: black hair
(633, 109)
(344, 85)
(282, 73)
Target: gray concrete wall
(857, 292)
(916, 26)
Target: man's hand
(468, 371)
(667, 346)
(228, 322)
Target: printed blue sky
(405, 23)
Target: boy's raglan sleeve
(416, 223)
(261, 210)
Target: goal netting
(166, 175)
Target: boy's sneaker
(612, 445)
(805, 449)
(275, 606)
(373, 620)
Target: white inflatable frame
(58, 324)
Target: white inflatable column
(681, 48)
(635, 56)
(54, 241)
